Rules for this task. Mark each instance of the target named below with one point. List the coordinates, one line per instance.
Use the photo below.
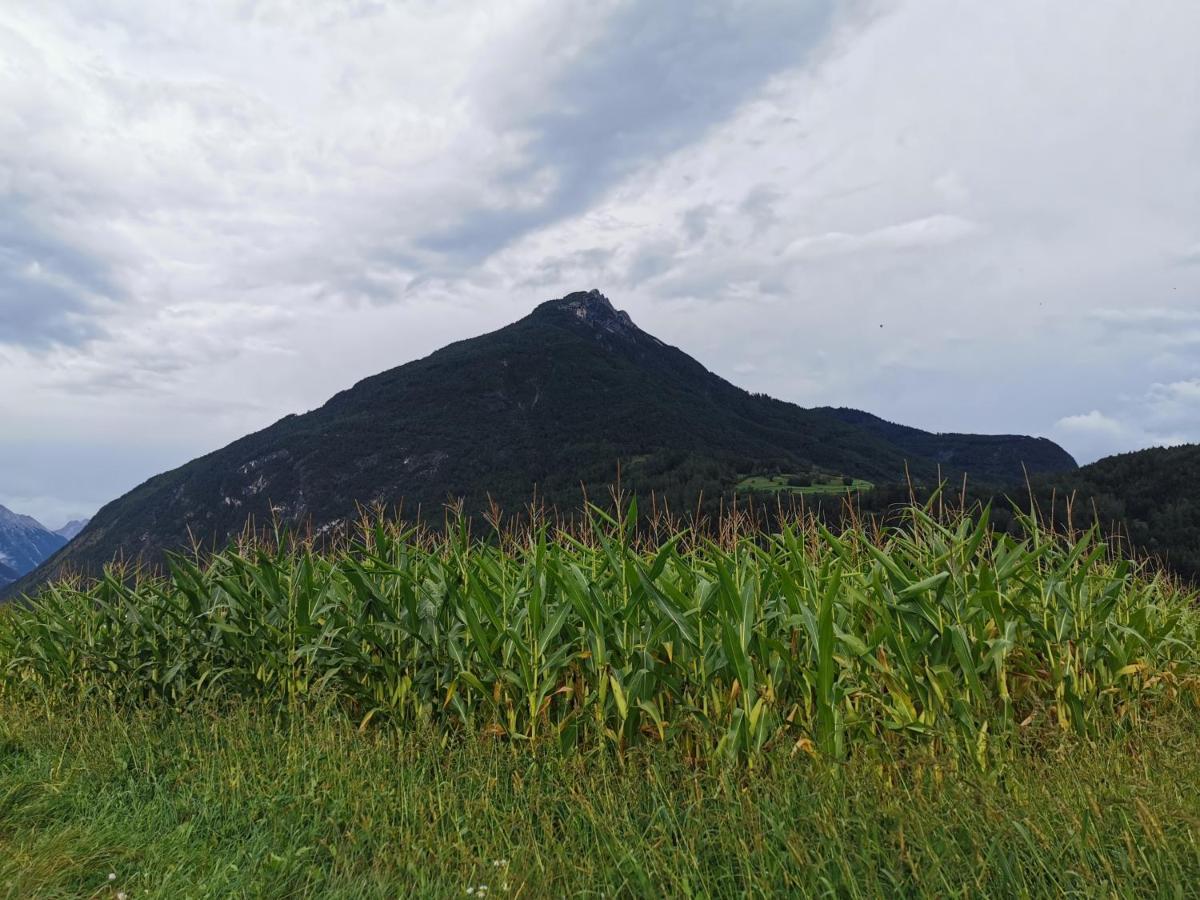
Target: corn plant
(938, 631)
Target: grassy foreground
(240, 803)
(928, 710)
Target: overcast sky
(959, 215)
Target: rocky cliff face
(594, 309)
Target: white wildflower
(112, 876)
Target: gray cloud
(759, 205)
(1190, 257)
(558, 269)
(1160, 416)
(656, 78)
(48, 290)
(215, 214)
(695, 221)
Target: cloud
(1163, 415)
(1190, 256)
(637, 85)
(1154, 318)
(759, 205)
(215, 214)
(1175, 405)
(211, 152)
(1092, 424)
(695, 221)
(930, 231)
(48, 290)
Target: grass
(230, 801)
(823, 484)
(929, 709)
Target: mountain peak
(72, 528)
(12, 519)
(594, 309)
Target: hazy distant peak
(72, 528)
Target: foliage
(241, 801)
(1151, 497)
(938, 633)
(994, 459)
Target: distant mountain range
(24, 544)
(545, 406)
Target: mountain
(997, 458)
(547, 404)
(1152, 496)
(24, 544)
(72, 528)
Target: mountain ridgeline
(24, 544)
(72, 529)
(543, 407)
(990, 457)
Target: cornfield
(936, 631)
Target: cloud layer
(956, 216)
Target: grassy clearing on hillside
(776, 484)
(243, 801)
